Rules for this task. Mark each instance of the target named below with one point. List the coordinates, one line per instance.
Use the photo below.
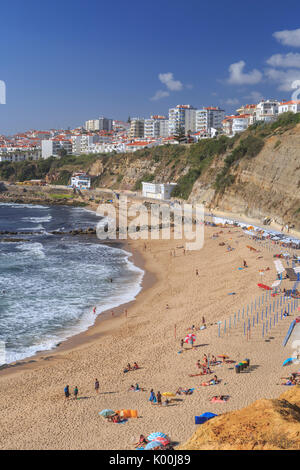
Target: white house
(81, 181)
(266, 110)
(289, 106)
(158, 190)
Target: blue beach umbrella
(288, 361)
(106, 413)
(153, 445)
(154, 435)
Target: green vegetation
(277, 144)
(61, 196)
(199, 158)
(248, 147)
(147, 177)
(185, 184)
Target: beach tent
(127, 413)
(204, 417)
(293, 333)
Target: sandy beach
(33, 411)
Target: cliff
(264, 425)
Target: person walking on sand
(67, 391)
(182, 343)
(97, 386)
(197, 272)
(76, 392)
(158, 397)
(152, 396)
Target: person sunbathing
(142, 441)
(135, 366)
(179, 391)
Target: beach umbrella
(223, 356)
(190, 338)
(168, 394)
(154, 435)
(289, 361)
(106, 413)
(164, 440)
(153, 445)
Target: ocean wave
(33, 249)
(38, 220)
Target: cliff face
(267, 185)
(264, 425)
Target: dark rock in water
(13, 240)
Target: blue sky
(67, 61)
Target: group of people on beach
(129, 368)
(76, 390)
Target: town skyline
(107, 60)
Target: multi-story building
(240, 123)
(182, 117)
(234, 124)
(137, 127)
(289, 106)
(100, 124)
(54, 146)
(209, 118)
(266, 110)
(156, 126)
(20, 156)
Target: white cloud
(254, 96)
(238, 77)
(283, 78)
(288, 37)
(232, 101)
(168, 80)
(160, 94)
(285, 60)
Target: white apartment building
(289, 106)
(266, 110)
(183, 116)
(240, 123)
(137, 128)
(82, 143)
(100, 124)
(20, 156)
(208, 118)
(158, 190)
(156, 126)
(52, 147)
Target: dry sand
(34, 413)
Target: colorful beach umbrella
(106, 413)
(154, 435)
(168, 394)
(153, 445)
(190, 338)
(164, 440)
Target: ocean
(49, 283)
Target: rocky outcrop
(264, 425)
